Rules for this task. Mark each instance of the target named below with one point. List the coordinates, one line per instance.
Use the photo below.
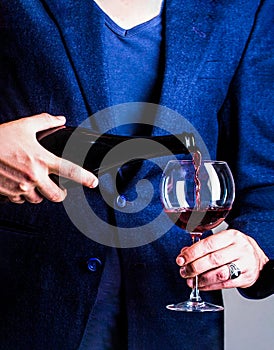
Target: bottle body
(95, 147)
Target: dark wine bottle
(96, 146)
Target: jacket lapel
(80, 25)
(185, 43)
(204, 42)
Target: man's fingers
(69, 170)
(43, 121)
(220, 277)
(51, 191)
(33, 197)
(19, 192)
(17, 199)
(217, 286)
(211, 261)
(208, 245)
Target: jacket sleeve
(264, 286)
(246, 134)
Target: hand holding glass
(197, 198)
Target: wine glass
(197, 195)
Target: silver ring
(234, 271)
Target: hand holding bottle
(25, 165)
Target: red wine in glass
(210, 218)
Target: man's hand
(25, 165)
(210, 259)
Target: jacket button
(93, 264)
(121, 201)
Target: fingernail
(60, 117)
(180, 261)
(23, 187)
(183, 271)
(94, 183)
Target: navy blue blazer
(217, 74)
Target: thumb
(44, 121)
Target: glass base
(194, 306)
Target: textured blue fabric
(133, 58)
(217, 74)
(133, 63)
(133, 66)
(106, 326)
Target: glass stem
(195, 294)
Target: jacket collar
(83, 43)
(204, 42)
